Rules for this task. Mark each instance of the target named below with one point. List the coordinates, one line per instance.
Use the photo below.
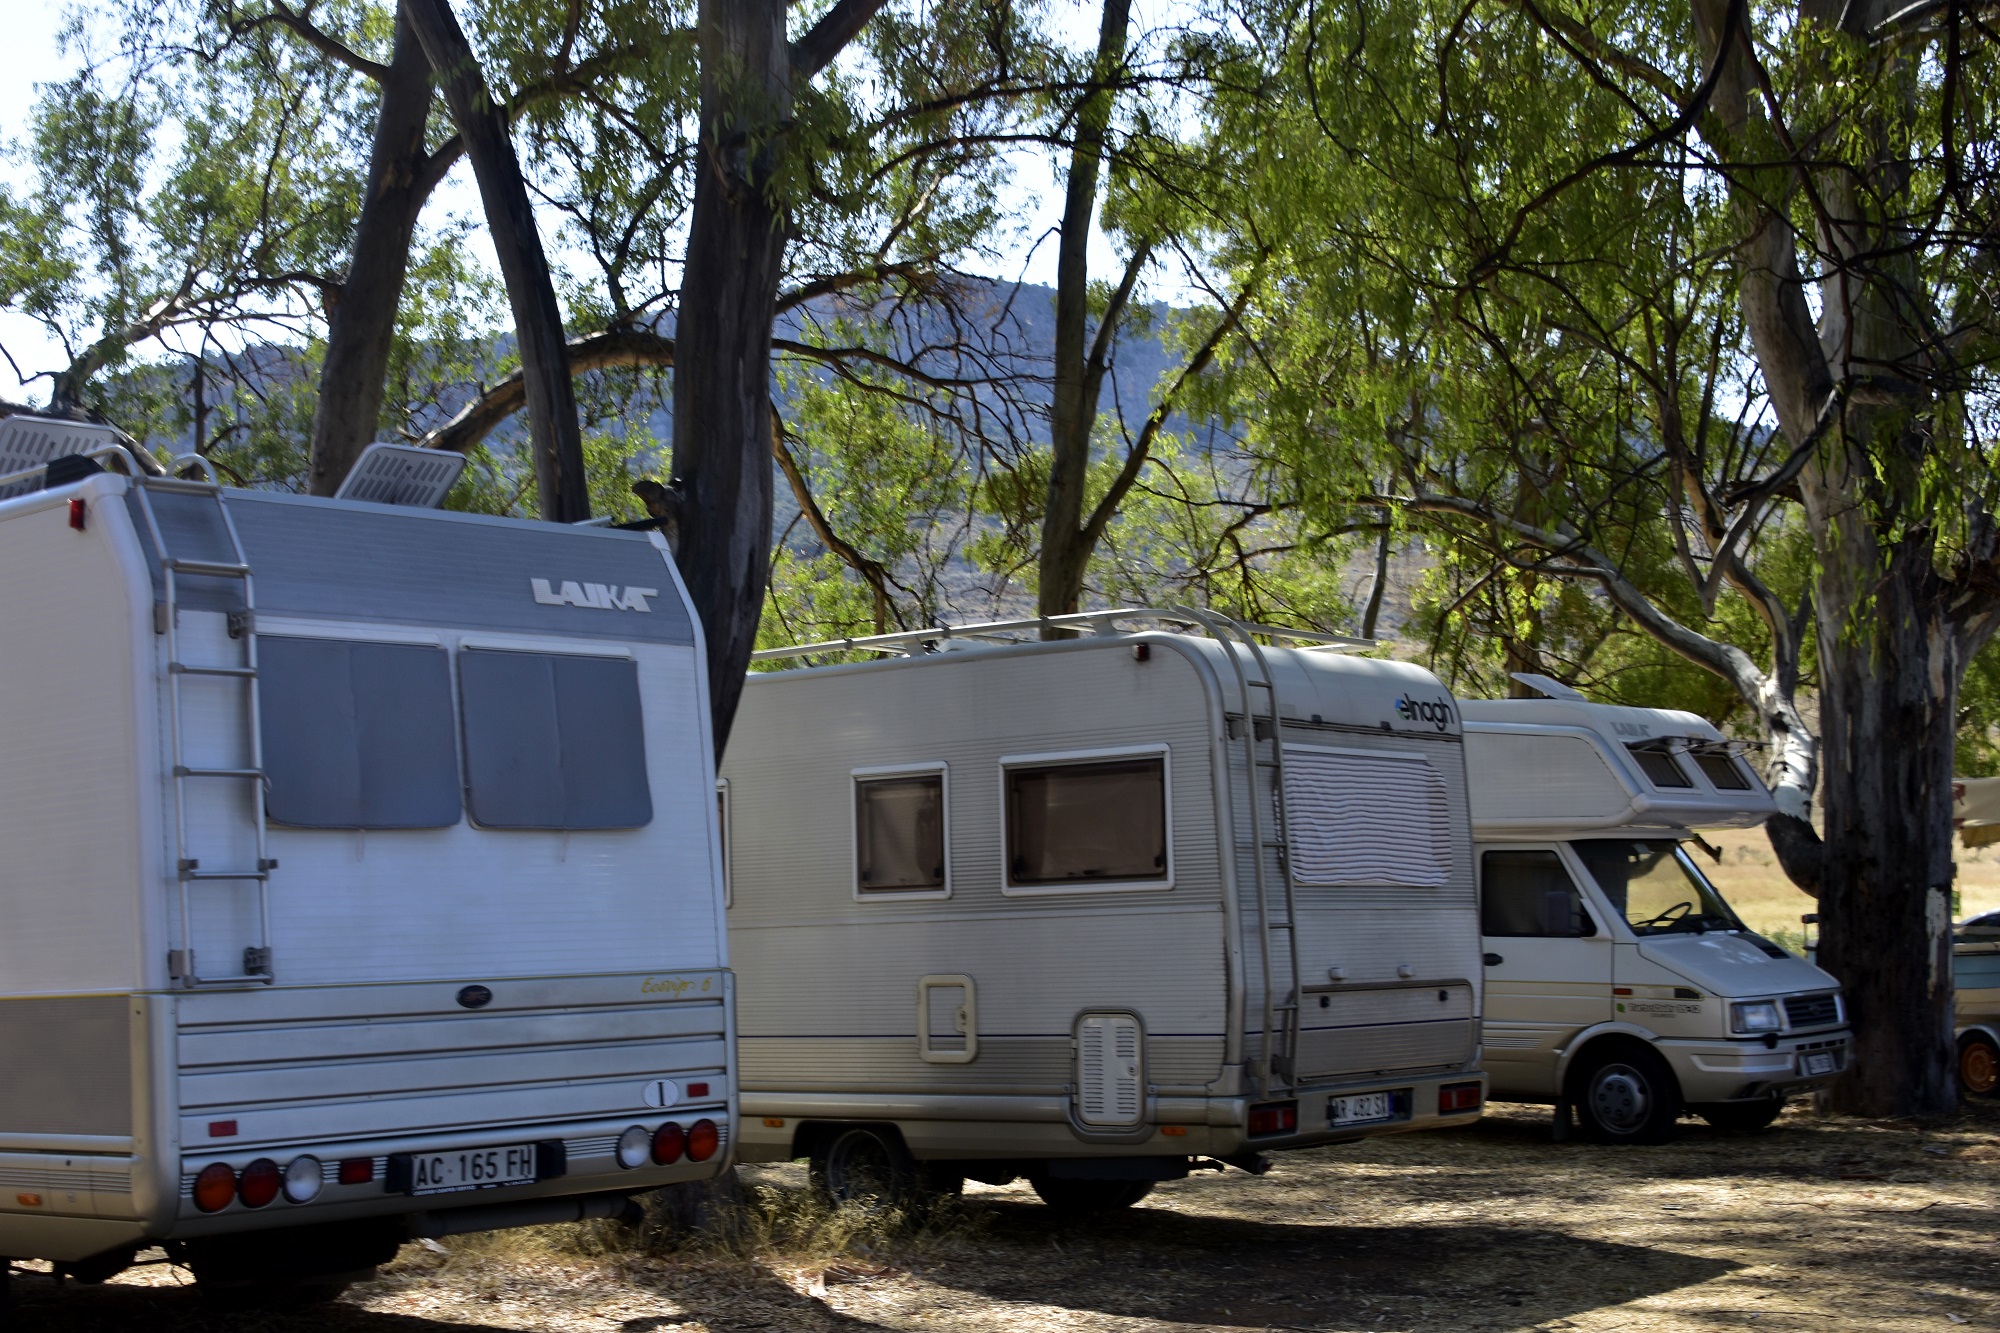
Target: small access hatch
(1110, 1088)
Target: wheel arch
(1593, 1038)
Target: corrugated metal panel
(1359, 818)
(345, 560)
(1385, 1030)
(1557, 778)
(1110, 1084)
(66, 1065)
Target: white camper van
(1618, 980)
(359, 877)
(1095, 910)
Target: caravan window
(1656, 760)
(899, 831)
(1530, 894)
(553, 741)
(356, 734)
(1087, 824)
(1721, 769)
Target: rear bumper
(1017, 1127)
(1749, 1070)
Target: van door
(1548, 965)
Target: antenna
(27, 442)
(402, 474)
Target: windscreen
(1655, 885)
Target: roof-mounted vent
(402, 474)
(29, 442)
(1547, 686)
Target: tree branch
(824, 40)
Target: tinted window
(357, 735)
(899, 832)
(1529, 893)
(1660, 766)
(1722, 772)
(553, 741)
(1073, 823)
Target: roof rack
(909, 643)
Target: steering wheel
(1666, 918)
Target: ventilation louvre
(402, 474)
(1109, 1070)
(30, 441)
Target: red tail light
(215, 1187)
(1457, 1097)
(1274, 1118)
(357, 1170)
(703, 1139)
(260, 1183)
(76, 513)
(668, 1144)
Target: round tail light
(635, 1145)
(703, 1139)
(303, 1177)
(215, 1187)
(668, 1144)
(260, 1184)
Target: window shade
(1075, 823)
(899, 832)
(553, 741)
(356, 734)
(1366, 818)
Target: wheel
(1978, 1065)
(859, 1165)
(1626, 1094)
(1080, 1198)
(1742, 1117)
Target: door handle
(1492, 959)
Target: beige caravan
(1619, 982)
(1096, 911)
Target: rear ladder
(191, 875)
(1277, 923)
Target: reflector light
(668, 1144)
(221, 1129)
(215, 1187)
(357, 1170)
(697, 1089)
(1174, 1131)
(76, 513)
(1455, 1097)
(303, 1177)
(1274, 1118)
(260, 1183)
(635, 1145)
(28, 1200)
(703, 1139)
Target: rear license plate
(1359, 1109)
(471, 1169)
(1816, 1062)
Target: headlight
(1755, 1016)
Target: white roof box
(1562, 766)
(402, 474)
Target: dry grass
(1769, 904)
(1837, 1225)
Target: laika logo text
(1436, 712)
(600, 596)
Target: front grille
(1811, 1011)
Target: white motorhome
(1618, 981)
(359, 874)
(1094, 910)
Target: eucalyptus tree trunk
(361, 325)
(722, 343)
(1079, 369)
(538, 325)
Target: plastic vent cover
(29, 441)
(1362, 818)
(401, 474)
(1108, 1070)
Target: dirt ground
(1822, 1224)
(1749, 877)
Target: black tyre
(1625, 1094)
(1081, 1198)
(1742, 1117)
(1978, 1065)
(861, 1164)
